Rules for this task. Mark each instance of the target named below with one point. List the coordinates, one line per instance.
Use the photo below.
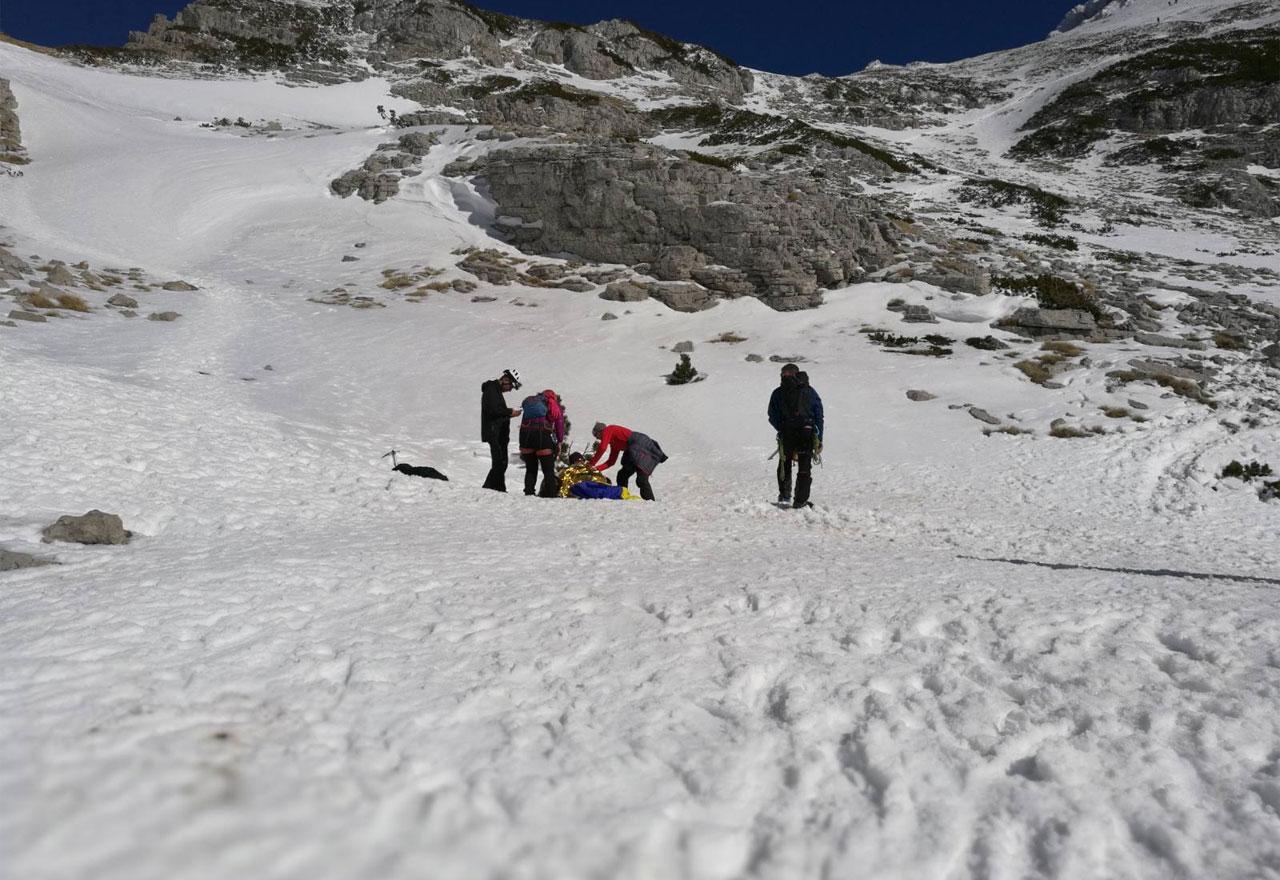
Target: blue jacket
(777, 418)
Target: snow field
(307, 666)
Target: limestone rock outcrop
(781, 240)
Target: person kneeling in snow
(640, 455)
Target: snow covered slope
(1004, 655)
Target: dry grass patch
(1062, 347)
(730, 337)
(1072, 432)
(1116, 412)
(1230, 341)
(1007, 429)
(39, 301)
(1035, 371)
(396, 282)
(73, 303)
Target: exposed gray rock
(957, 275)
(463, 285)
(1174, 371)
(1168, 341)
(920, 396)
(682, 296)
(555, 107)
(577, 285)
(616, 48)
(123, 301)
(419, 143)
(608, 316)
(604, 276)
(625, 291)
(491, 266)
(784, 359)
(484, 299)
(983, 416)
(11, 560)
(1050, 322)
(327, 42)
(918, 315)
(163, 316)
(10, 131)
(182, 286)
(12, 266)
(94, 527)
(370, 186)
(33, 317)
(347, 258)
(546, 272)
(755, 359)
(682, 347)
(634, 204)
(58, 273)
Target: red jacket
(614, 440)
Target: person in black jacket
(795, 412)
(495, 425)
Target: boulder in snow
(94, 527)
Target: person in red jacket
(640, 455)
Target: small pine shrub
(684, 373)
(892, 340)
(1251, 471)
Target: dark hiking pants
(796, 443)
(628, 470)
(497, 479)
(550, 485)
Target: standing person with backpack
(795, 412)
(640, 455)
(495, 425)
(541, 432)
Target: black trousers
(497, 479)
(798, 444)
(628, 470)
(550, 485)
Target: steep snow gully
(977, 657)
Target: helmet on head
(513, 376)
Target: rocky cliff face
(1226, 90)
(347, 34)
(778, 239)
(10, 134)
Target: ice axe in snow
(409, 470)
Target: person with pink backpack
(542, 430)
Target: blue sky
(795, 36)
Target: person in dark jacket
(495, 425)
(795, 412)
(640, 455)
